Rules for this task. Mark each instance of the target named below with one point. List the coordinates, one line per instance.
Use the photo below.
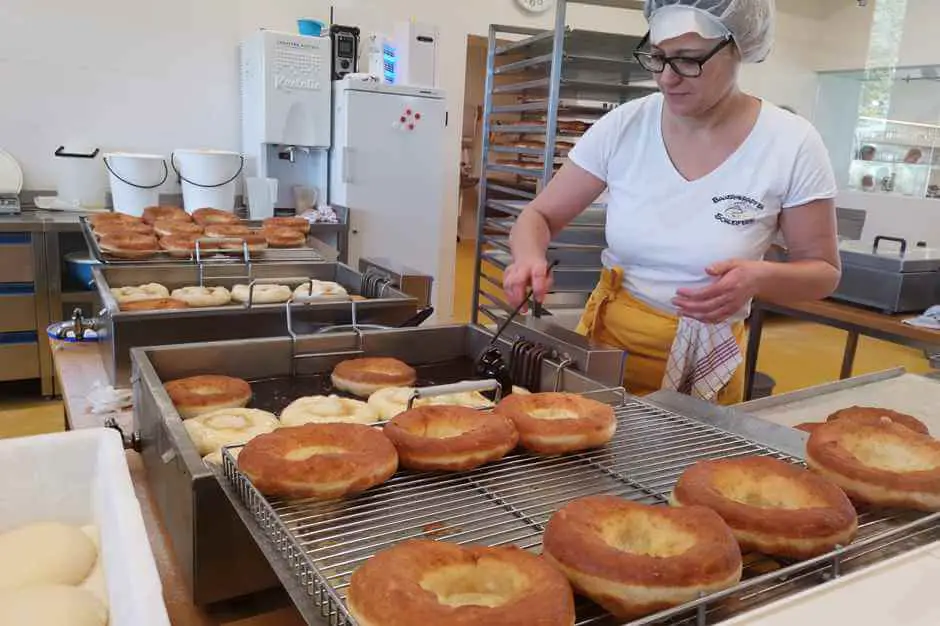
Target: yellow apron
(616, 318)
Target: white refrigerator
(387, 166)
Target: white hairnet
(750, 22)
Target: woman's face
(693, 97)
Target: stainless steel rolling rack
(544, 89)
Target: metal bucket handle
(294, 355)
(166, 174)
(201, 263)
(241, 167)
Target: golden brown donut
(772, 507)
(108, 229)
(207, 216)
(256, 243)
(129, 246)
(450, 438)
(182, 246)
(100, 219)
(881, 463)
(294, 223)
(227, 230)
(869, 413)
(284, 237)
(153, 304)
(154, 213)
(362, 377)
(322, 461)
(169, 228)
(201, 394)
(808, 427)
(435, 583)
(635, 559)
(558, 423)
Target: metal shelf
(580, 89)
(584, 43)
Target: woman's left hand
(737, 283)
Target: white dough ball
(51, 605)
(45, 553)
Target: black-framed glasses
(687, 67)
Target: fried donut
(557, 423)
(320, 461)
(881, 463)
(635, 559)
(444, 584)
(772, 507)
(156, 304)
(201, 394)
(111, 229)
(294, 223)
(262, 294)
(869, 413)
(327, 410)
(199, 297)
(390, 401)
(154, 213)
(227, 230)
(129, 246)
(228, 427)
(284, 237)
(180, 246)
(168, 228)
(207, 216)
(256, 243)
(450, 438)
(100, 219)
(149, 291)
(807, 427)
(321, 288)
(362, 377)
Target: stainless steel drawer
(19, 356)
(16, 258)
(17, 308)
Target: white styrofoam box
(81, 477)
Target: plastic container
(208, 177)
(80, 181)
(81, 477)
(311, 28)
(79, 265)
(135, 180)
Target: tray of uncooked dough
(895, 389)
(314, 547)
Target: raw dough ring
(772, 507)
(324, 288)
(634, 559)
(435, 583)
(450, 438)
(262, 294)
(390, 401)
(228, 427)
(881, 463)
(321, 461)
(327, 409)
(558, 423)
(150, 291)
(203, 296)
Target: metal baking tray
(119, 331)
(313, 251)
(314, 547)
(215, 551)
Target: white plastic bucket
(135, 180)
(207, 177)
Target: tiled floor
(795, 354)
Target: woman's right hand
(526, 273)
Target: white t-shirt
(664, 230)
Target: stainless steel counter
(36, 221)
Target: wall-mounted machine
(345, 50)
(286, 110)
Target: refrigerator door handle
(347, 165)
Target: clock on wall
(536, 6)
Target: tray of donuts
(167, 233)
(73, 547)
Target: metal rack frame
(316, 546)
(559, 73)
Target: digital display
(344, 47)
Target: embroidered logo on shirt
(737, 210)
